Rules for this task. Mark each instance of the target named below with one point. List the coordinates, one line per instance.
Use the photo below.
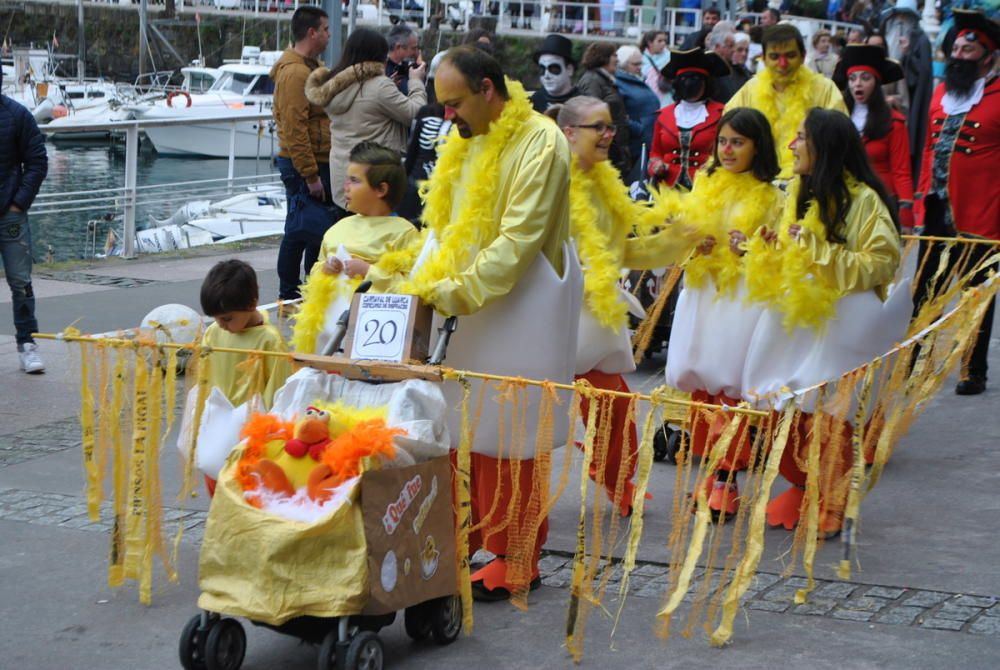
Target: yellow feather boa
(601, 187)
(797, 99)
(318, 293)
(705, 208)
(475, 223)
(781, 275)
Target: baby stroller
(335, 582)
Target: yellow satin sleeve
(668, 246)
(533, 211)
(367, 237)
(869, 258)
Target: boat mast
(81, 44)
(142, 37)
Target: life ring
(174, 94)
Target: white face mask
(555, 74)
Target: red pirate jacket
(973, 184)
(667, 143)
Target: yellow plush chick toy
(286, 467)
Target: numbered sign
(388, 327)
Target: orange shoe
(830, 524)
(784, 509)
(489, 583)
(724, 500)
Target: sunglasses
(554, 69)
(600, 128)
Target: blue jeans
(15, 247)
(305, 223)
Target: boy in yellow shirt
(374, 187)
(229, 294)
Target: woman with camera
(363, 103)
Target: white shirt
(690, 114)
(953, 103)
(860, 116)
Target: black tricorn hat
(556, 45)
(710, 65)
(868, 57)
(986, 30)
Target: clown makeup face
(591, 139)
(861, 85)
(735, 152)
(555, 74)
(783, 59)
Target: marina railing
(131, 196)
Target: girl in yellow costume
(602, 217)
(375, 184)
(712, 324)
(823, 276)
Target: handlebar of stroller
(333, 346)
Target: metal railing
(130, 196)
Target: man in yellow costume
(785, 90)
(497, 220)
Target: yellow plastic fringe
(463, 460)
(89, 440)
(858, 469)
(119, 474)
(644, 333)
(574, 641)
(703, 519)
(810, 504)
(747, 567)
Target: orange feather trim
(258, 431)
(367, 438)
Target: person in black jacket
(23, 166)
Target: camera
(404, 67)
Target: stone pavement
(923, 593)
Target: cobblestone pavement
(31, 443)
(849, 601)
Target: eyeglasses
(554, 69)
(600, 128)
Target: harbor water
(85, 168)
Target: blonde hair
(573, 111)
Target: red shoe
(784, 510)
(724, 500)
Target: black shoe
(483, 594)
(974, 385)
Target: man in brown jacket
(304, 154)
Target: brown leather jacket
(303, 128)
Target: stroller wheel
(364, 652)
(192, 647)
(225, 645)
(417, 621)
(446, 619)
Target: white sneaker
(31, 362)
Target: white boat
(244, 88)
(260, 212)
(118, 106)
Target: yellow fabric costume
(786, 110)
(866, 261)
(368, 237)
(532, 211)
(239, 376)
